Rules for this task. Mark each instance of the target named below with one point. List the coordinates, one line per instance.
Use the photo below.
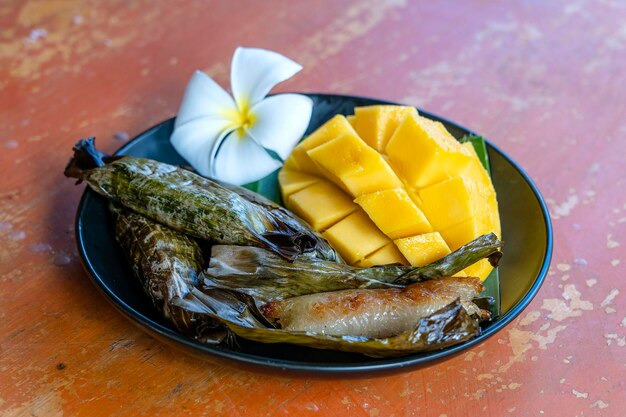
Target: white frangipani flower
(226, 137)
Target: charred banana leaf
(485, 246)
(448, 326)
(266, 277)
(374, 313)
(287, 217)
(167, 264)
(192, 204)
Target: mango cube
(291, 164)
(394, 213)
(423, 154)
(415, 198)
(452, 201)
(480, 269)
(376, 124)
(321, 204)
(353, 165)
(388, 254)
(335, 127)
(462, 233)
(466, 231)
(355, 237)
(292, 181)
(423, 249)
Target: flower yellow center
(246, 119)
(242, 119)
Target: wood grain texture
(542, 80)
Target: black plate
(525, 226)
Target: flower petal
(254, 72)
(205, 98)
(240, 160)
(194, 141)
(280, 121)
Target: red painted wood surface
(542, 80)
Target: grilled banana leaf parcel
(447, 326)
(266, 277)
(375, 313)
(167, 265)
(192, 204)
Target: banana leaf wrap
(485, 246)
(446, 327)
(286, 217)
(192, 204)
(167, 265)
(266, 277)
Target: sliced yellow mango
(388, 254)
(477, 173)
(355, 237)
(376, 124)
(293, 181)
(475, 170)
(335, 127)
(342, 156)
(480, 269)
(415, 198)
(445, 132)
(394, 213)
(415, 183)
(321, 204)
(423, 155)
(423, 249)
(451, 201)
(353, 165)
(291, 164)
(462, 233)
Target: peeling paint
(563, 267)
(610, 242)
(530, 318)
(560, 309)
(599, 404)
(565, 208)
(610, 297)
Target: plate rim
(322, 368)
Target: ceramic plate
(526, 231)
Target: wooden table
(542, 80)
